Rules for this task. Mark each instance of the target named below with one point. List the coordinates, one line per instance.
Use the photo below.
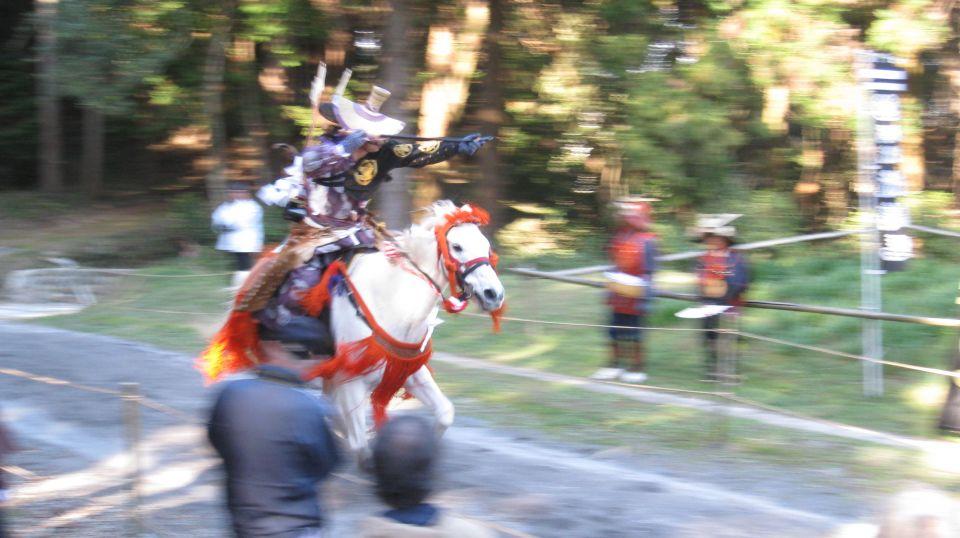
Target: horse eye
(456, 247)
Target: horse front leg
(423, 387)
(350, 399)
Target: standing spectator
(273, 436)
(633, 251)
(6, 447)
(239, 223)
(404, 461)
(722, 278)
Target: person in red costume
(633, 251)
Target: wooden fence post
(132, 433)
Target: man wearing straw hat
(722, 278)
(633, 251)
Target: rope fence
(807, 347)
(132, 399)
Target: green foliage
(189, 215)
(909, 27)
(18, 123)
(679, 144)
(282, 25)
(107, 49)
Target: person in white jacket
(239, 223)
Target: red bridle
(458, 271)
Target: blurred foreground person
(722, 279)
(921, 513)
(7, 447)
(404, 458)
(916, 513)
(239, 223)
(273, 436)
(633, 251)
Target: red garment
(627, 250)
(715, 275)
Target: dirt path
(72, 479)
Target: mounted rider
(325, 194)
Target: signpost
(885, 246)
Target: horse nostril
(489, 294)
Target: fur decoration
(236, 347)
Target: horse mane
(419, 240)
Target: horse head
(468, 260)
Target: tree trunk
(91, 162)
(452, 54)
(213, 88)
(394, 198)
(489, 192)
(48, 98)
(245, 55)
(950, 65)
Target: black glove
(353, 141)
(472, 143)
(294, 212)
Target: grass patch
(702, 438)
(163, 308)
(801, 381)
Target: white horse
(402, 297)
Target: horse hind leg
(423, 387)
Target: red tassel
(394, 376)
(358, 358)
(318, 297)
(229, 351)
(496, 315)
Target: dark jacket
(276, 446)
(363, 179)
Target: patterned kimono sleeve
(325, 163)
(417, 154)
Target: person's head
(404, 456)
(238, 190)
(638, 214)
(716, 230)
(716, 241)
(297, 345)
